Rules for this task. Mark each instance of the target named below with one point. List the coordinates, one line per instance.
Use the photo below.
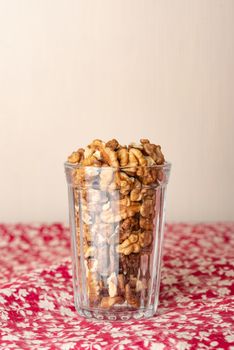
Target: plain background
(72, 71)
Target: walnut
(74, 158)
(132, 239)
(120, 284)
(108, 155)
(146, 223)
(123, 157)
(124, 182)
(160, 157)
(149, 193)
(135, 194)
(130, 223)
(133, 161)
(125, 187)
(149, 149)
(129, 245)
(154, 151)
(112, 285)
(126, 228)
(81, 153)
(88, 152)
(77, 156)
(112, 144)
(138, 155)
(132, 164)
(148, 175)
(123, 235)
(96, 142)
(143, 141)
(131, 297)
(147, 208)
(154, 175)
(136, 145)
(145, 238)
(93, 287)
(133, 209)
(140, 171)
(108, 302)
(129, 211)
(123, 212)
(123, 202)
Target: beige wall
(71, 71)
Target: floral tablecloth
(196, 299)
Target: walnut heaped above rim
(111, 153)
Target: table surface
(196, 298)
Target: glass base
(120, 315)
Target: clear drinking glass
(117, 224)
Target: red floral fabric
(196, 298)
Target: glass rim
(165, 166)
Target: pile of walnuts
(114, 190)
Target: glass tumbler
(117, 224)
